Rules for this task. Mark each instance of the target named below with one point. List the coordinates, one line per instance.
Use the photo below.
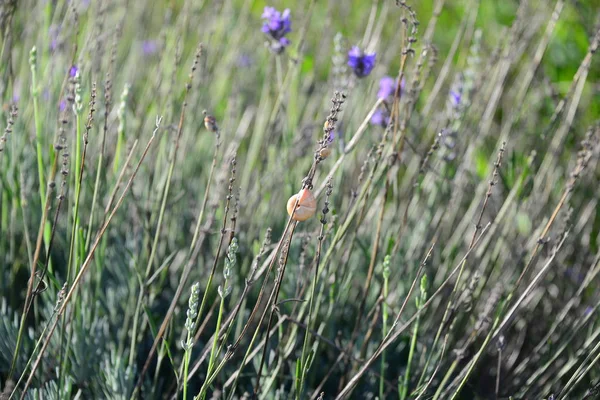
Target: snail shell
(210, 122)
(306, 208)
(325, 152)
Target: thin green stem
(38, 128)
(213, 351)
(413, 342)
(186, 363)
(445, 379)
(384, 320)
(88, 236)
(411, 352)
(303, 360)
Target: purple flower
(62, 105)
(575, 275)
(284, 41)
(149, 47)
(53, 33)
(73, 71)
(362, 64)
(277, 25)
(380, 117)
(455, 97)
(331, 137)
(16, 91)
(387, 87)
(244, 61)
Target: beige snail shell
(307, 205)
(325, 152)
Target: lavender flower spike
(149, 47)
(276, 26)
(387, 87)
(362, 64)
(380, 117)
(455, 97)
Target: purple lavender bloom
(455, 97)
(53, 33)
(277, 25)
(284, 42)
(244, 61)
(62, 105)
(73, 71)
(336, 134)
(149, 47)
(387, 88)
(380, 117)
(362, 64)
(575, 275)
(16, 92)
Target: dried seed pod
(306, 208)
